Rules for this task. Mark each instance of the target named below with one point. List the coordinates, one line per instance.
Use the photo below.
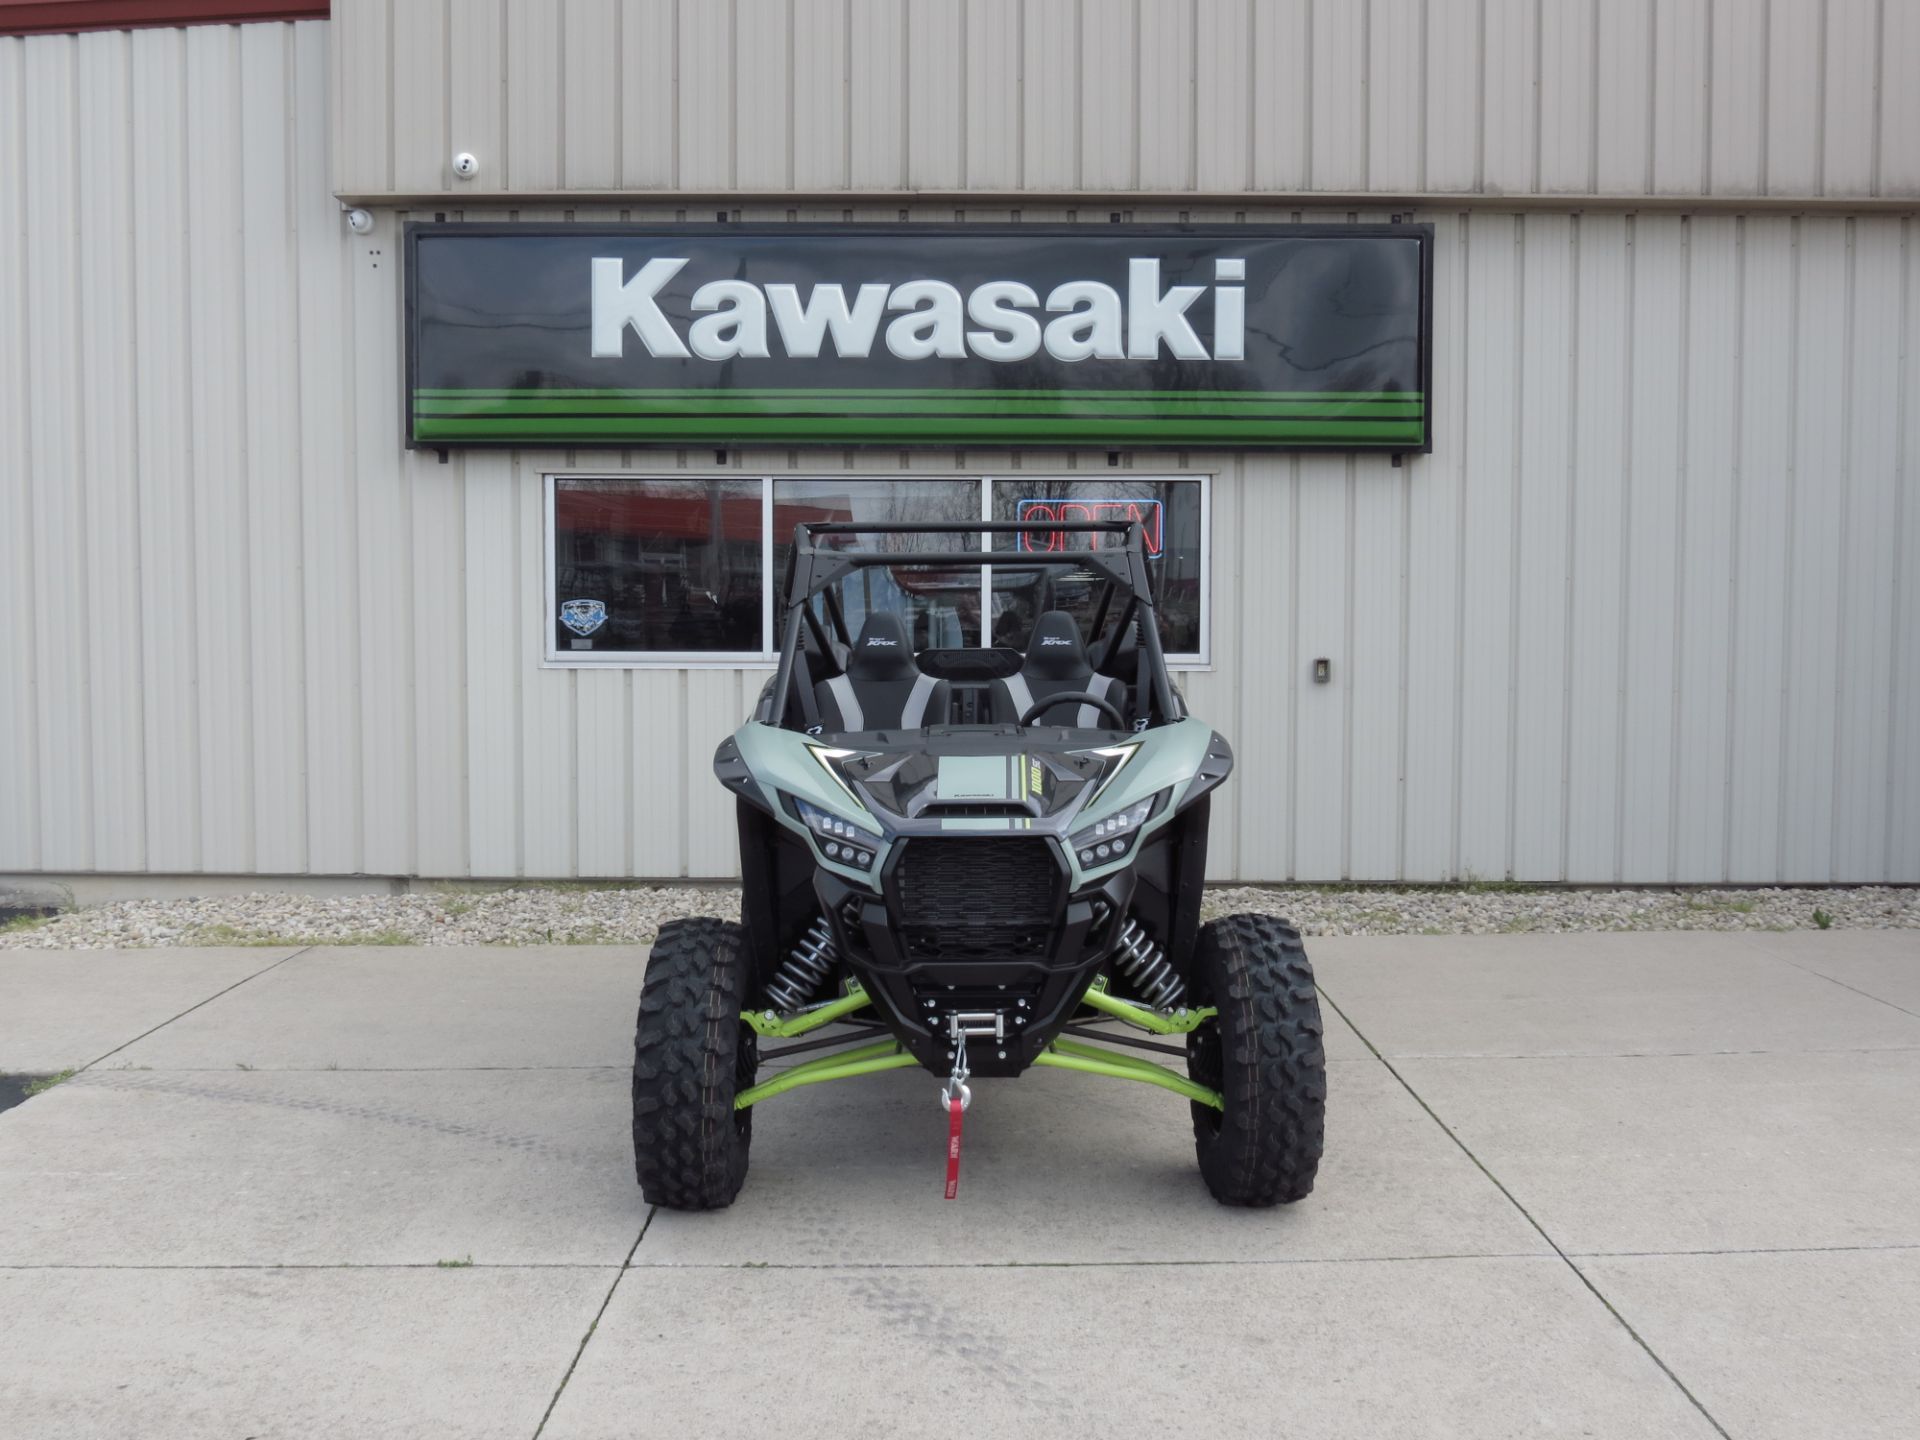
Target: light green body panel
(1166, 757)
(787, 760)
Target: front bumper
(1019, 995)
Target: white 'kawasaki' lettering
(1092, 321)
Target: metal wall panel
(169, 637)
(270, 439)
(1650, 611)
(19, 582)
(1612, 97)
(56, 425)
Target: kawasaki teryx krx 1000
(975, 861)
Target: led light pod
(1111, 838)
(841, 841)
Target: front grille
(985, 899)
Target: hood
(1031, 784)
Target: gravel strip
(575, 915)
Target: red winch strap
(955, 1110)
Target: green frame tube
(1062, 1054)
(843, 1065)
(1092, 1060)
(779, 1027)
(1177, 1022)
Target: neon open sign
(1147, 512)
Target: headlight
(839, 840)
(1112, 838)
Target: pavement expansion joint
(1512, 1199)
(1739, 1250)
(341, 1265)
(1808, 969)
(244, 979)
(238, 1069)
(1223, 1264)
(587, 1338)
(1657, 1054)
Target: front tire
(691, 1056)
(1264, 1055)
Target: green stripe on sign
(921, 428)
(426, 392)
(955, 403)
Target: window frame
(554, 658)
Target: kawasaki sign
(1284, 336)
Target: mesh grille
(989, 899)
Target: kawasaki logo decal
(1101, 335)
(935, 326)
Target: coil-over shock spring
(1146, 965)
(806, 968)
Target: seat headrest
(883, 651)
(1055, 651)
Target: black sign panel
(1287, 337)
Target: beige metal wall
(1651, 611)
(1494, 97)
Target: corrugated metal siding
(1651, 611)
(1501, 97)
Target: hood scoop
(918, 784)
(970, 778)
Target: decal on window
(583, 617)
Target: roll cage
(814, 570)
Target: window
(656, 567)
(646, 570)
(944, 610)
(1171, 516)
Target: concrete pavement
(1645, 1185)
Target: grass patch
(586, 887)
(1475, 885)
(225, 934)
(47, 1082)
(466, 1264)
(1472, 885)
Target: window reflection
(670, 564)
(1169, 513)
(943, 607)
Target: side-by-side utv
(979, 862)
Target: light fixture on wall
(466, 165)
(360, 221)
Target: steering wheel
(1073, 697)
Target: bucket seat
(883, 688)
(1056, 663)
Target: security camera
(465, 165)
(360, 222)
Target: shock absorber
(806, 969)
(1146, 965)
